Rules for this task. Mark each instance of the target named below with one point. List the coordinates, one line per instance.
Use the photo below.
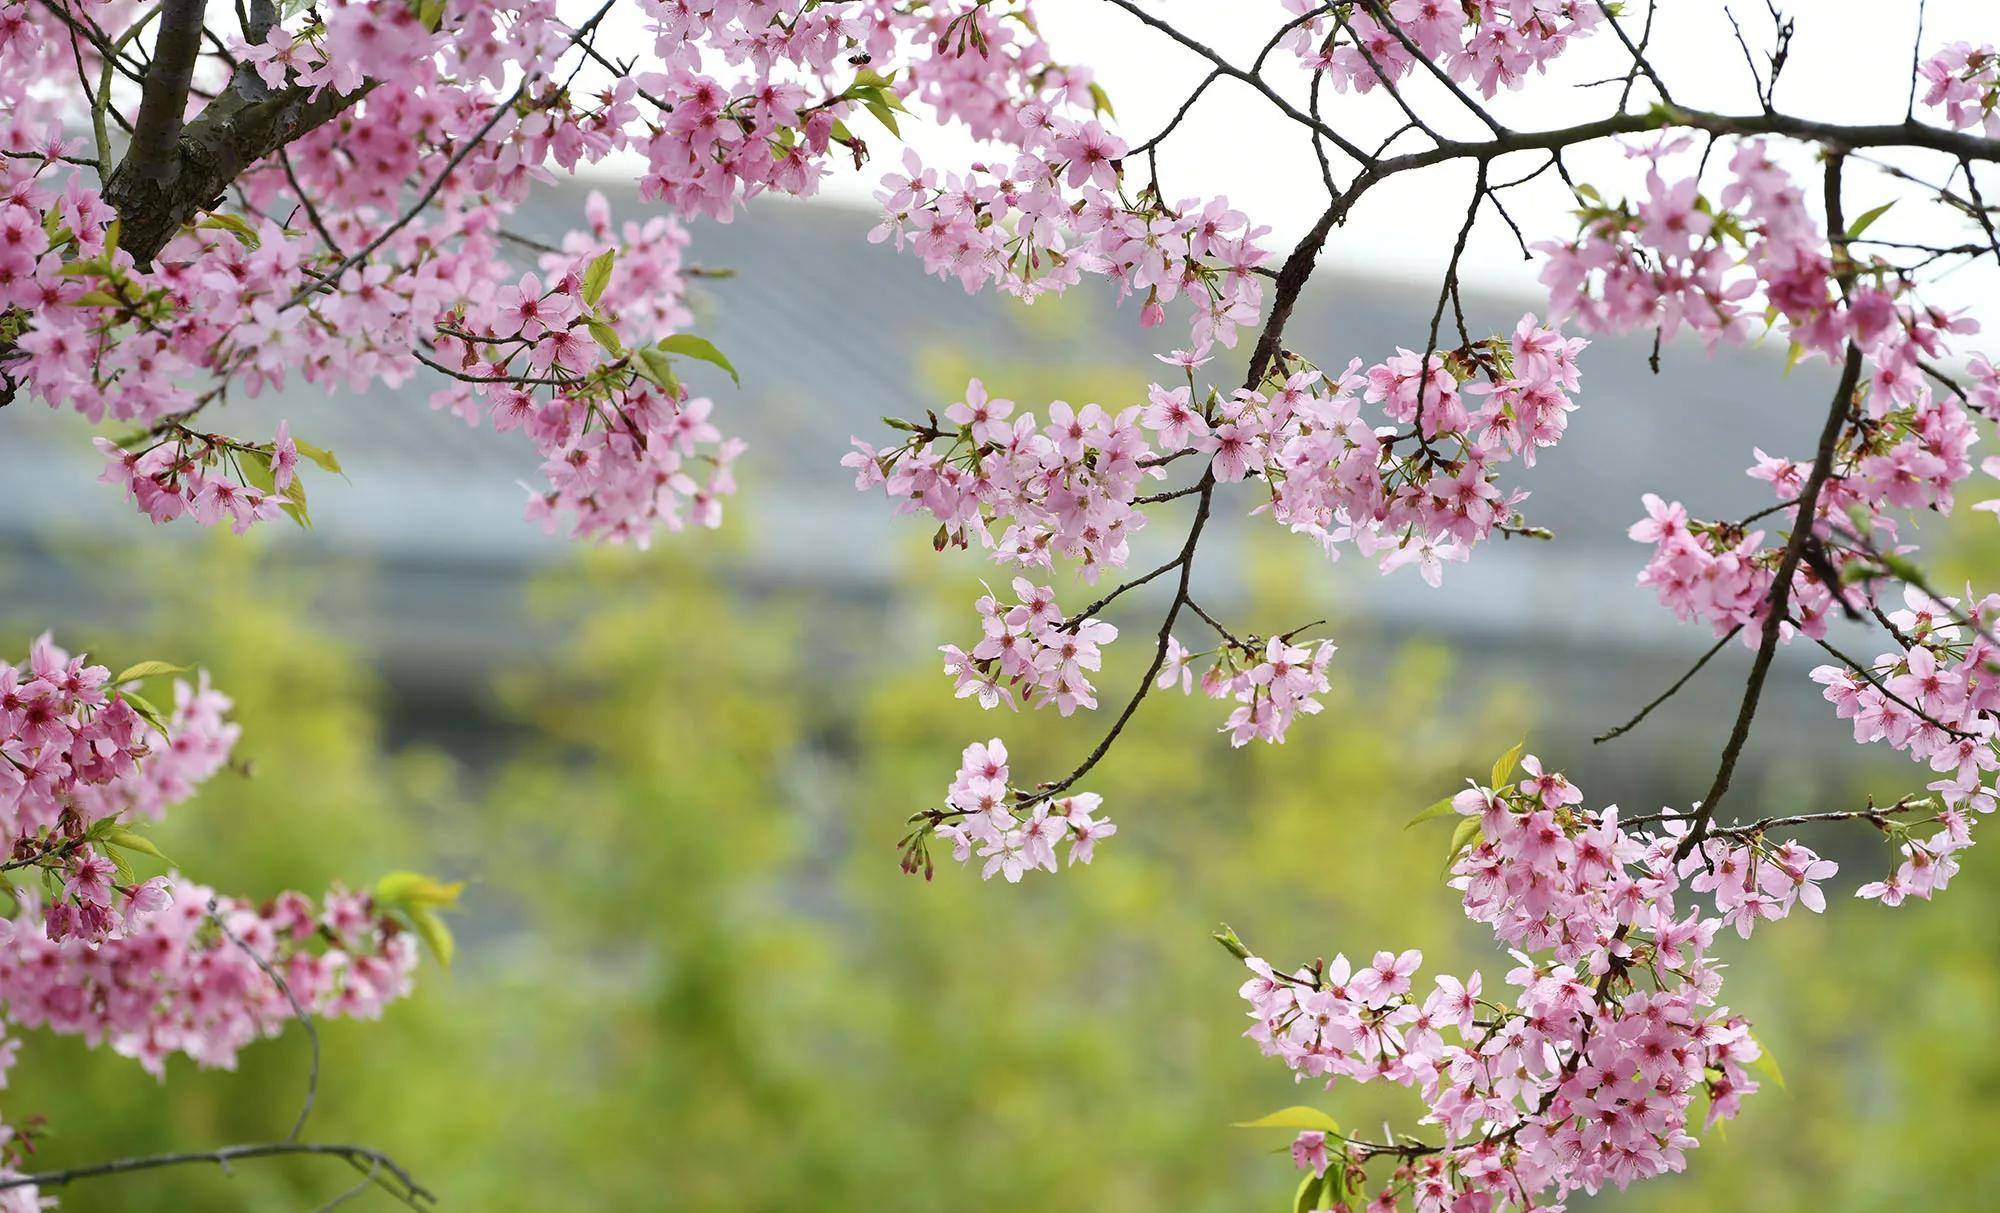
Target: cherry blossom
(159, 966)
(330, 196)
(1009, 832)
(1611, 1042)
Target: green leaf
(1307, 1196)
(257, 470)
(1793, 357)
(419, 898)
(319, 455)
(145, 708)
(882, 114)
(437, 936)
(256, 466)
(119, 837)
(1297, 1116)
(603, 334)
(1440, 809)
(148, 669)
(234, 225)
(687, 345)
(1466, 835)
(1100, 101)
(414, 890)
(659, 368)
(1867, 219)
(1503, 767)
(1768, 1065)
(1901, 567)
(598, 276)
(97, 298)
(1336, 1189)
(1227, 938)
(295, 503)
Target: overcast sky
(1850, 62)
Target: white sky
(1850, 62)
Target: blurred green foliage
(691, 978)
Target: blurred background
(690, 976)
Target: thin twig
(298, 1012)
(1669, 693)
(412, 1190)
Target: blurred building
(832, 332)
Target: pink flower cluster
(1910, 454)
(1271, 686)
(581, 366)
(1067, 488)
(1421, 491)
(758, 94)
(627, 447)
(1964, 80)
(177, 983)
(1058, 211)
(1718, 573)
(1718, 267)
(144, 965)
(328, 278)
(1011, 832)
(1070, 487)
(1590, 1071)
(1904, 445)
(147, 966)
(192, 473)
(1489, 44)
(1424, 494)
(79, 759)
(1029, 650)
(1910, 450)
(1938, 701)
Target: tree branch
(1671, 691)
(1779, 603)
(412, 1192)
(163, 101)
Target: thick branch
(230, 135)
(163, 102)
(1830, 134)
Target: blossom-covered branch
(164, 965)
(1609, 1041)
(325, 197)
